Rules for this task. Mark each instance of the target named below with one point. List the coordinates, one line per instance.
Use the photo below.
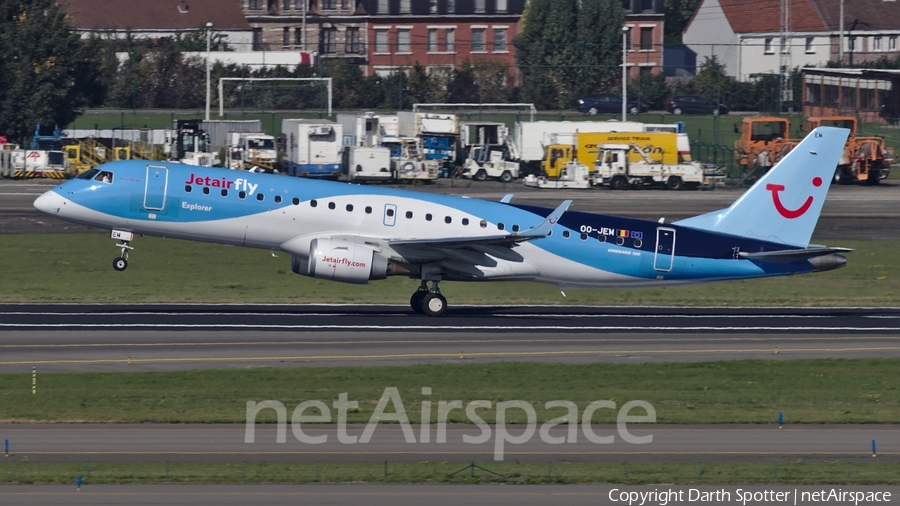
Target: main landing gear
(428, 302)
(121, 262)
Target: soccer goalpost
(326, 80)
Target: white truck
(365, 163)
(613, 169)
(253, 151)
(188, 143)
(313, 148)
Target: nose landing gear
(428, 302)
(121, 262)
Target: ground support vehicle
(865, 159)
(367, 163)
(312, 147)
(254, 151)
(407, 163)
(188, 143)
(485, 162)
(764, 141)
(615, 170)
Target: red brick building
(645, 22)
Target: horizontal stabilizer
(791, 255)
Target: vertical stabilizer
(784, 205)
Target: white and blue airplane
(354, 234)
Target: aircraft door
(155, 187)
(390, 215)
(664, 256)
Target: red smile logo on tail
(791, 213)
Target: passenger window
(620, 240)
(465, 221)
(638, 243)
(409, 215)
(515, 228)
(368, 210)
(224, 192)
(206, 190)
(584, 236)
(242, 195)
(260, 197)
(331, 205)
(389, 212)
(349, 207)
(447, 219)
(500, 226)
(188, 188)
(277, 199)
(295, 201)
(566, 234)
(483, 224)
(601, 238)
(313, 203)
(428, 217)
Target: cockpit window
(88, 174)
(104, 176)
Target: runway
(171, 337)
(226, 443)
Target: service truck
(312, 147)
(865, 159)
(188, 143)
(254, 151)
(662, 147)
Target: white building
(746, 35)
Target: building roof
(869, 14)
(764, 16)
(154, 14)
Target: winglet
(543, 228)
(507, 198)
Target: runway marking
(437, 355)
(486, 452)
(399, 342)
(138, 326)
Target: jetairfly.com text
(497, 430)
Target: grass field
(635, 473)
(747, 391)
(77, 268)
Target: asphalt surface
(850, 212)
(226, 443)
(431, 494)
(160, 337)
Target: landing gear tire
(433, 304)
(415, 302)
(120, 264)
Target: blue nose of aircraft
(50, 203)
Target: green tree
(46, 73)
(678, 13)
(565, 48)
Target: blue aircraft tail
(784, 205)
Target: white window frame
(450, 45)
(483, 49)
(652, 48)
(505, 30)
(408, 30)
(387, 41)
(432, 43)
(810, 45)
(767, 45)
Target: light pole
(208, 33)
(624, 71)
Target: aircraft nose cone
(50, 202)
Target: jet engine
(339, 260)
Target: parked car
(607, 103)
(693, 104)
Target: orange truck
(865, 160)
(764, 141)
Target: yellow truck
(667, 148)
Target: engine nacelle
(340, 260)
